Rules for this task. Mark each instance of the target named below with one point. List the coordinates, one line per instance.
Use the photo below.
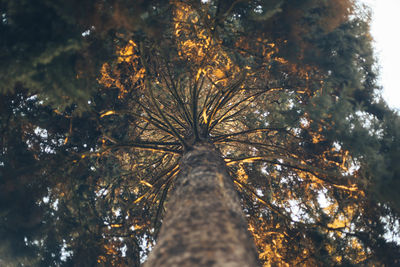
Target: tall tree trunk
(204, 224)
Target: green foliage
(56, 48)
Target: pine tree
(270, 100)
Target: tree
(56, 47)
(281, 92)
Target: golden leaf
(219, 74)
(204, 114)
(139, 199)
(110, 112)
(146, 183)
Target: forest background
(102, 101)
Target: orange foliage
(128, 61)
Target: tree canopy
(100, 100)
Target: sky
(385, 31)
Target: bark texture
(204, 223)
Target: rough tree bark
(204, 224)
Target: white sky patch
(144, 246)
(259, 193)
(65, 253)
(101, 192)
(323, 201)
(54, 205)
(41, 132)
(124, 249)
(86, 33)
(117, 212)
(392, 234)
(46, 199)
(384, 30)
(294, 210)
